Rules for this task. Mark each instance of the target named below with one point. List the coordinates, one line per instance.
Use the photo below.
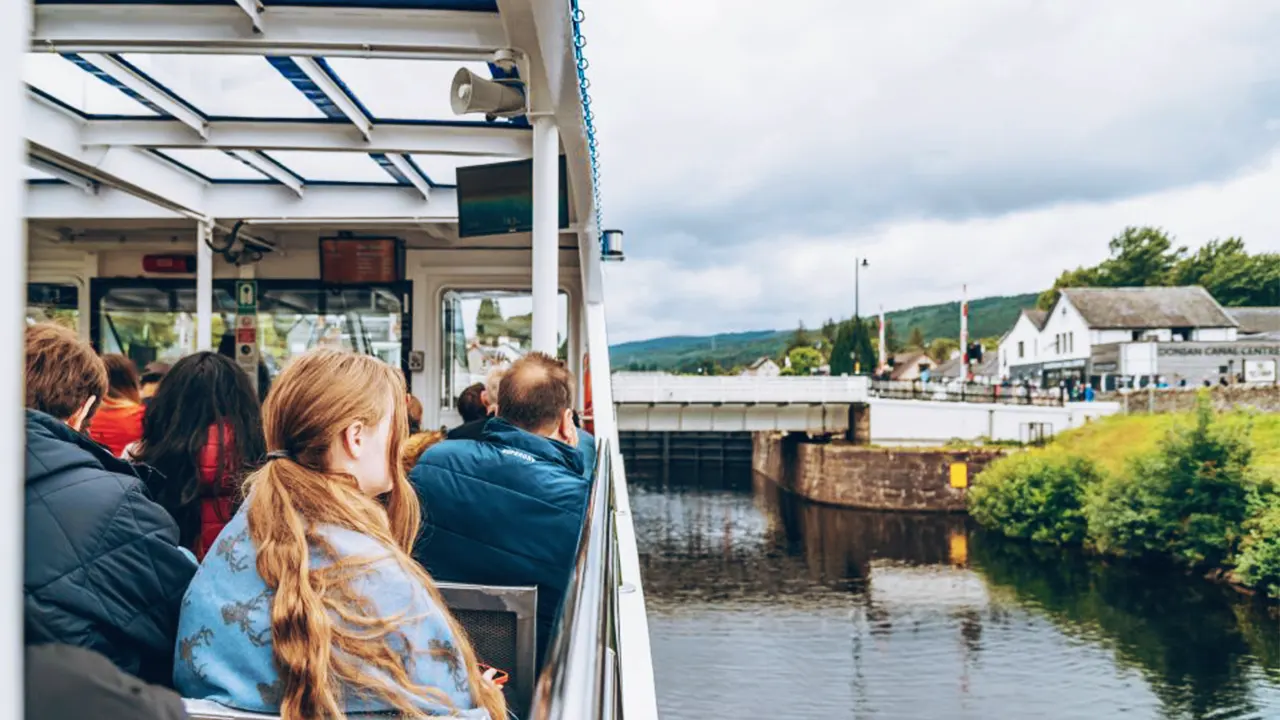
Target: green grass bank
(1200, 488)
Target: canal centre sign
(1260, 371)
(1226, 348)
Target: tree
(489, 321)
(1140, 256)
(842, 351)
(853, 351)
(942, 348)
(804, 360)
(1231, 274)
(864, 351)
(829, 330)
(916, 339)
(800, 338)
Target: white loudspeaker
(473, 94)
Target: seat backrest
(500, 622)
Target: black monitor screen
(498, 199)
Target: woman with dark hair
(119, 421)
(203, 432)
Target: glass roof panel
(314, 166)
(443, 169)
(403, 89)
(62, 79)
(214, 164)
(227, 85)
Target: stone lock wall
(1264, 398)
(839, 473)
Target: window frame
(100, 287)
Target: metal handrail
(577, 680)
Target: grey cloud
(746, 126)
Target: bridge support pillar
(859, 432)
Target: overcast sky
(750, 150)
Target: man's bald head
(536, 392)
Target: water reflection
(763, 605)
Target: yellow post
(958, 546)
(959, 475)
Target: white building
(1091, 334)
(1021, 344)
(763, 367)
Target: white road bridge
(657, 402)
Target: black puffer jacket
(103, 568)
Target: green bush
(1189, 499)
(1258, 564)
(1038, 496)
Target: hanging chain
(588, 117)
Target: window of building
(1020, 349)
(53, 302)
(483, 329)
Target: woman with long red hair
(309, 604)
(118, 423)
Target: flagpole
(964, 334)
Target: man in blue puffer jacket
(508, 508)
(103, 569)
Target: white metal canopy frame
(264, 115)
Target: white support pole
(13, 285)
(204, 287)
(546, 229)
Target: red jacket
(219, 489)
(117, 424)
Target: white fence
(916, 422)
(660, 389)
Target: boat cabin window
(53, 302)
(156, 319)
(487, 328)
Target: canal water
(765, 606)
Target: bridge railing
(945, 391)
(658, 389)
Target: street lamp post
(857, 299)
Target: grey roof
(987, 368)
(1037, 317)
(1149, 307)
(1256, 319)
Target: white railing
(657, 389)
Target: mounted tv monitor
(497, 199)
